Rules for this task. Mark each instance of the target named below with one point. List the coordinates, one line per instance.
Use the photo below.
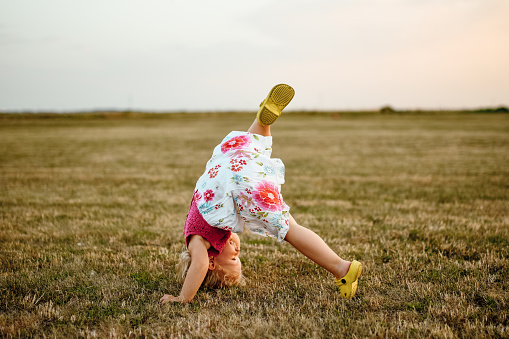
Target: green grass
(91, 216)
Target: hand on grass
(167, 298)
(196, 273)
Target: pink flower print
(213, 171)
(237, 142)
(197, 196)
(208, 195)
(267, 196)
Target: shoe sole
(354, 284)
(279, 97)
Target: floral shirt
(241, 187)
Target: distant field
(91, 216)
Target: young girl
(241, 188)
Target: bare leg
(257, 128)
(312, 246)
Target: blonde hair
(217, 278)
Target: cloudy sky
(197, 55)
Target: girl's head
(225, 269)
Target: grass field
(92, 210)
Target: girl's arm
(196, 273)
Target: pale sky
(204, 55)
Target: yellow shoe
(270, 108)
(348, 284)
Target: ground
(92, 210)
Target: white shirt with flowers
(241, 187)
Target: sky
(225, 55)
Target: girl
(241, 188)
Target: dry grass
(91, 215)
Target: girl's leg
(257, 128)
(312, 246)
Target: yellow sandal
(348, 284)
(270, 108)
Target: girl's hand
(167, 298)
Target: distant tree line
(500, 109)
